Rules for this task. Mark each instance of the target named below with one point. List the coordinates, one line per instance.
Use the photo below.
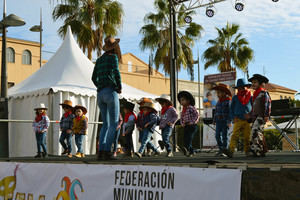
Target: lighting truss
(194, 4)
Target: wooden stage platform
(274, 177)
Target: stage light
(210, 11)
(188, 19)
(239, 5)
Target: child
(261, 110)
(139, 122)
(167, 120)
(128, 126)
(66, 124)
(240, 107)
(221, 117)
(40, 126)
(80, 125)
(150, 120)
(116, 140)
(188, 119)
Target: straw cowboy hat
(144, 100)
(259, 77)
(67, 103)
(242, 83)
(41, 107)
(223, 87)
(148, 105)
(84, 110)
(186, 95)
(164, 98)
(110, 43)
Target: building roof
(272, 86)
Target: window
(10, 55)
(129, 66)
(280, 97)
(10, 84)
(26, 57)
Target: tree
(156, 36)
(90, 20)
(228, 51)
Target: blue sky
(273, 31)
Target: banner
(209, 102)
(41, 181)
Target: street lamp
(9, 21)
(39, 28)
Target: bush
(272, 139)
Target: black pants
(189, 133)
(129, 142)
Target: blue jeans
(221, 134)
(189, 133)
(166, 133)
(116, 140)
(146, 141)
(78, 142)
(109, 105)
(66, 136)
(41, 141)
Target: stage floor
(273, 160)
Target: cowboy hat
(129, 106)
(259, 77)
(110, 43)
(223, 87)
(84, 110)
(164, 98)
(144, 100)
(242, 83)
(186, 95)
(148, 105)
(41, 107)
(67, 103)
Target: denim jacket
(152, 119)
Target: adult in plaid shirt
(188, 119)
(107, 79)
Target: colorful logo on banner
(8, 186)
(69, 189)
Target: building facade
(23, 59)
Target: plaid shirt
(190, 116)
(66, 123)
(106, 72)
(223, 111)
(41, 126)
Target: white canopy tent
(67, 75)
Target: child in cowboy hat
(240, 107)
(80, 125)
(128, 126)
(222, 117)
(261, 110)
(40, 126)
(168, 117)
(66, 124)
(188, 119)
(140, 121)
(150, 120)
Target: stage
(276, 176)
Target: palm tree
(228, 51)
(90, 20)
(156, 36)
